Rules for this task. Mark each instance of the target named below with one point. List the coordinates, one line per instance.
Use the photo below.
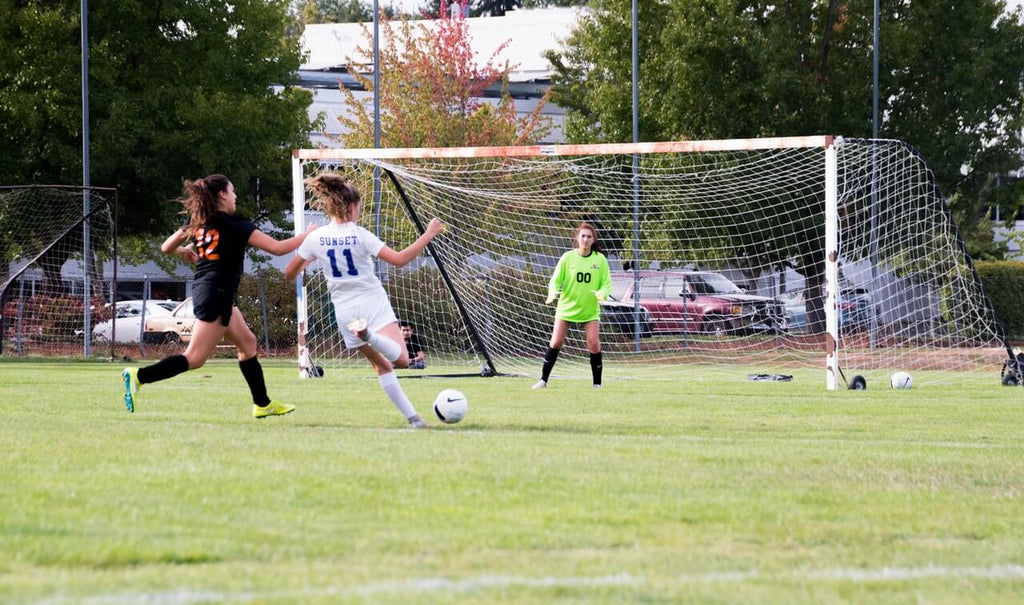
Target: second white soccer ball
(450, 406)
(900, 380)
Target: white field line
(1012, 572)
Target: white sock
(390, 349)
(389, 382)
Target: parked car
(796, 310)
(128, 314)
(173, 328)
(699, 301)
(854, 309)
(618, 316)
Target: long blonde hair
(200, 199)
(335, 195)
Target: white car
(129, 319)
(173, 328)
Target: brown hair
(335, 196)
(199, 197)
(596, 246)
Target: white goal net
(717, 250)
(54, 244)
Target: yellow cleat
(273, 408)
(130, 376)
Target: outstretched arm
(296, 266)
(173, 247)
(400, 259)
(264, 242)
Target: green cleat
(131, 388)
(271, 409)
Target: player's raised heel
(540, 385)
(130, 376)
(273, 408)
(358, 327)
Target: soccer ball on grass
(900, 380)
(450, 406)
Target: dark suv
(699, 301)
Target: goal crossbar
(400, 153)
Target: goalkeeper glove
(599, 295)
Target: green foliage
(950, 80)
(177, 90)
(270, 290)
(1004, 284)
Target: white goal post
(747, 255)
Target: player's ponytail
(335, 195)
(199, 197)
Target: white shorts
(375, 309)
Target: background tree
(431, 91)
(950, 84)
(177, 90)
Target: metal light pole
(376, 123)
(874, 181)
(86, 259)
(636, 189)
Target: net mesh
(725, 250)
(43, 290)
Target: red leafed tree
(431, 90)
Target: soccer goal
(733, 256)
(54, 245)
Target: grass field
(707, 491)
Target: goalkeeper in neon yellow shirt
(581, 282)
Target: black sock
(596, 366)
(549, 362)
(253, 373)
(168, 367)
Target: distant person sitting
(417, 360)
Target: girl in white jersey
(360, 302)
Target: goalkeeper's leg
(551, 355)
(593, 332)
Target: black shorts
(211, 302)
